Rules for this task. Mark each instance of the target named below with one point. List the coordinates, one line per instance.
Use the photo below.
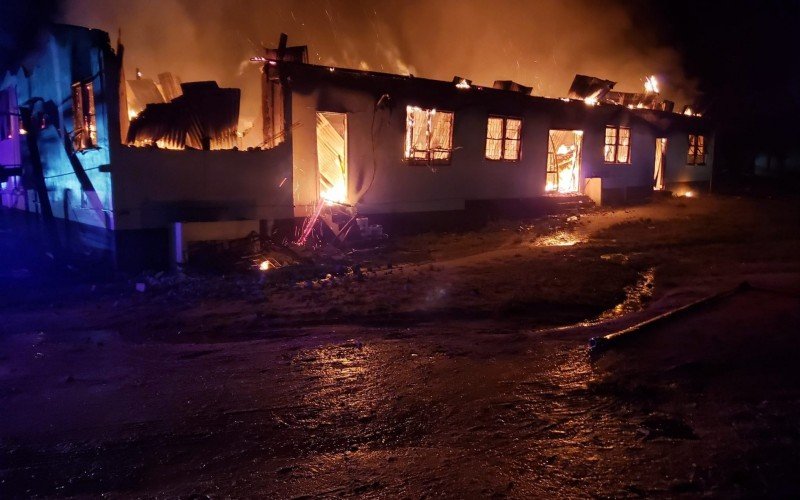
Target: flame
(264, 266)
(22, 131)
(590, 101)
(336, 193)
(651, 84)
(688, 112)
(462, 84)
(132, 114)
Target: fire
(590, 101)
(336, 193)
(688, 112)
(558, 239)
(264, 266)
(132, 114)
(463, 84)
(651, 84)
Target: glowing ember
(309, 224)
(651, 84)
(559, 239)
(22, 131)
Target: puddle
(636, 298)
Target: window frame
(6, 116)
(408, 138)
(84, 116)
(503, 139)
(616, 145)
(699, 150)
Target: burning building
(139, 166)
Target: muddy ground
(455, 366)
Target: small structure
(126, 162)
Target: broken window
(697, 150)
(503, 138)
(429, 136)
(618, 145)
(84, 134)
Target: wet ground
(455, 405)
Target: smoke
(542, 44)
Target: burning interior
(564, 161)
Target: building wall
(376, 144)
(679, 176)
(155, 187)
(70, 54)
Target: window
(618, 145)
(429, 136)
(6, 118)
(697, 150)
(503, 138)
(83, 117)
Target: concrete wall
(678, 176)
(70, 54)
(155, 187)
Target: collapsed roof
(204, 117)
(598, 90)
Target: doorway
(332, 156)
(564, 161)
(661, 160)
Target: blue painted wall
(71, 54)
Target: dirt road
(177, 392)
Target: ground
(455, 365)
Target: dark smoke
(22, 25)
(542, 44)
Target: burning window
(84, 135)
(618, 145)
(429, 136)
(503, 138)
(697, 150)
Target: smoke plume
(542, 44)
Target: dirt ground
(454, 365)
